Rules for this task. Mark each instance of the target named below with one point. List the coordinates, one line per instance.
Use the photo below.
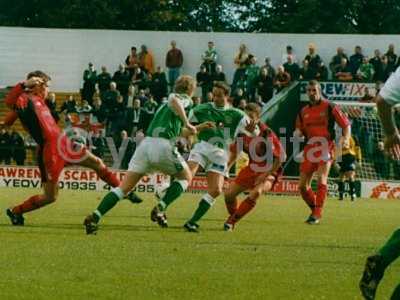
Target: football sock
(244, 208)
(205, 204)
(352, 187)
(231, 206)
(108, 203)
(320, 199)
(341, 188)
(106, 175)
(391, 250)
(308, 197)
(176, 188)
(32, 203)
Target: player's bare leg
(110, 200)
(249, 202)
(215, 184)
(231, 197)
(50, 193)
(322, 191)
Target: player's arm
(206, 125)
(342, 120)
(177, 107)
(298, 132)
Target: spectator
(126, 146)
(237, 96)
(89, 83)
(135, 117)
(98, 113)
(132, 60)
(392, 57)
(149, 109)
(376, 62)
(142, 96)
(242, 104)
(52, 105)
(174, 62)
(146, 60)
(365, 71)
(218, 75)
(5, 146)
(128, 99)
(252, 72)
(289, 52)
(209, 97)
(122, 78)
(98, 144)
(110, 97)
(312, 57)
(103, 80)
(343, 71)
(139, 79)
(69, 108)
(196, 101)
(84, 112)
(204, 81)
(159, 85)
(265, 85)
(210, 58)
(117, 117)
(269, 67)
(367, 98)
(282, 79)
(385, 70)
(18, 148)
(356, 60)
(240, 60)
(337, 59)
(292, 68)
(322, 72)
(306, 73)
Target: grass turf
(272, 254)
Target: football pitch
(271, 254)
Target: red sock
(32, 203)
(243, 209)
(321, 196)
(106, 175)
(231, 206)
(309, 198)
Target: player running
(265, 158)
(316, 123)
(210, 153)
(376, 264)
(157, 152)
(55, 150)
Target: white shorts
(156, 154)
(209, 157)
(391, 90)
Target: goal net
(367, 131)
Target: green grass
(272, 254)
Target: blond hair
(185, 84)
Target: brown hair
(314, 82)
(222, 85)
(39, 74)
(185, 84)
(253, 107)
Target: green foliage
(289, 16)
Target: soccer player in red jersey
(55, 150)
(266, 155)
(316, 123)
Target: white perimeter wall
(64, 54)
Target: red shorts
(314, 158)
(56, 154)
(247, 178)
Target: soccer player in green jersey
(376, 264)
(210, 154)
(157, 152)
